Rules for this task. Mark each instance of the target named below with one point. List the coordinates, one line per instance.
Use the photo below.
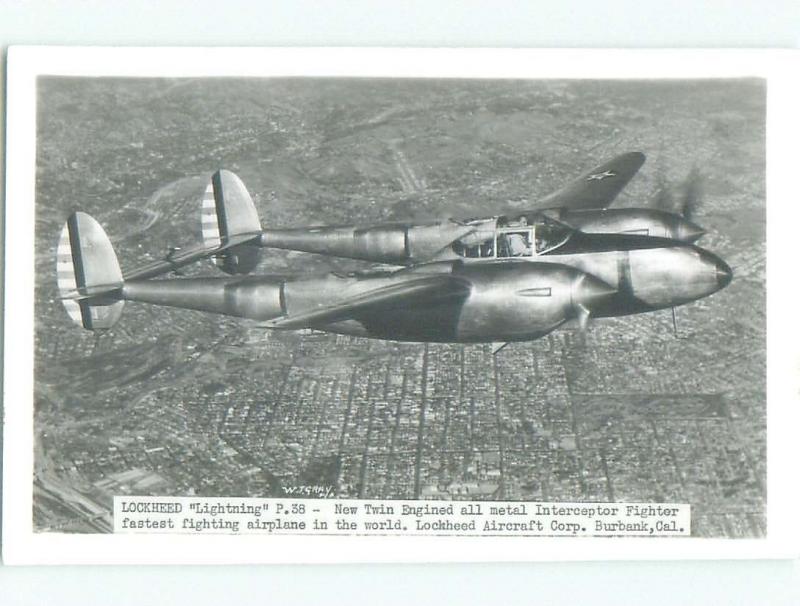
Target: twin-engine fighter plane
(581, 205)
(500, 279)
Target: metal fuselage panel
(435, 322)
(508, 301)
(647, 279)
(258, 298)
(517, 304)
(638, 221)
(648, 273)
(397, 244)
(406, 243)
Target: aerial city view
(638, 408)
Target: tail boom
(254, 298)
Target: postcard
(399, 305)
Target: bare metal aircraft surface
(509, 277)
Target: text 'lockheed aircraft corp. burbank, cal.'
(490, 280)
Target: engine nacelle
(638, 221)
(520, 302)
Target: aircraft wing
(420, 291)
(599, 187)
(187, 256)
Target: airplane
(583, 204)
(519, 283)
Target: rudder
(227, 211)
(88, 272)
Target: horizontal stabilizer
(88, 292)
(186, 256)
(386, 298)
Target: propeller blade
(663, 199)
(692, 194)
(497, 346)
(583, 317)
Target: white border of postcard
(22, 546)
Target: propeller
(588, 294)
(663, 198)
(583, 317)
(690, 190)
(692, 193)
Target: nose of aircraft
(724, 273)
(688, 231)
(721, 273)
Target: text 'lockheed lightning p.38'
(499, 279)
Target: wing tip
(636, 157)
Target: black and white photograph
(439, 290)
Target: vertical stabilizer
(88, 273)
(228, 211)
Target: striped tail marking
(209, 218)
(85, 261)
(228, 211)
(65, 273)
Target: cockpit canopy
(527, 235)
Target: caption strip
(349, 517)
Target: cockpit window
(515, 243)
(517, 238)
(483, 250)
(550, 236)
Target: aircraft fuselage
(407, 243)
(501, 300)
